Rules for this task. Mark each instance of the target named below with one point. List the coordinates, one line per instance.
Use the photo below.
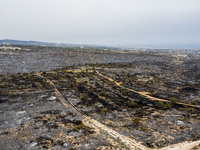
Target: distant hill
(37, 43)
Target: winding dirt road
(143, 94)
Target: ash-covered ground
(32, 117)
(25, 59)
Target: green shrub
(190, 109)
(53, 75)
(42, 82)
(11, 101)
(64, 70)
(25, 74)
(74, 80)
(142, 128)
(104, 110)
(3, 86)
(132, 104)
(173, 100)
(161, 105)
(182, 109)
(193, 103)
(84, 98)
(124, 80)
(168, 105)
(92, 89)
(94, 69)
(135, 78)
(78, 75)
(102, 93)
(151, 91)
(136, 121)
(121, 90)
(80, 126)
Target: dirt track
(120, 141)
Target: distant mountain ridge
(128, 47)
(38, 43)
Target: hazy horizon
(165, 23)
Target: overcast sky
(103, 22)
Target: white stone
(42, 96)
(180, 122)
(65, 144)
(33, 144)
(52, 98)
(21, 112)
